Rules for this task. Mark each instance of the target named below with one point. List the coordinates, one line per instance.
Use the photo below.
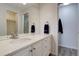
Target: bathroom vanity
(26, 45)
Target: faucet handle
(12, 33)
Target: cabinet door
(37, 50)
(46, 47)
(24, 52)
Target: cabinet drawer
(46, 46)
(37, 49)
(23, 52)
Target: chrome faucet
(13, 35)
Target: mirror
(15, 20)
(12, 22)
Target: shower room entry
(67, 24)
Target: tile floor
(63, 51)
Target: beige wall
(48, 12)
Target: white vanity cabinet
(40, 48)
(46, 47)
(24, 52)
(37, 49)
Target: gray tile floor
(63, 51)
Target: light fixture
(24, 3)
(66, 3)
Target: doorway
(26, 23)
(68, 39)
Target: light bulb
(66, 3)
(24, 3)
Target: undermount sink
(15, 41)
(21, 40)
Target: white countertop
(10, 45)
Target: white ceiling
(20, 5)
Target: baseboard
(68, 47)
(51, 54)
(56, 54)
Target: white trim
(68, 47)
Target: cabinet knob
(30, 50)
(34, 48)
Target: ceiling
(20, 5)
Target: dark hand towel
(46, 28)
(60, 28)
(32, 28)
